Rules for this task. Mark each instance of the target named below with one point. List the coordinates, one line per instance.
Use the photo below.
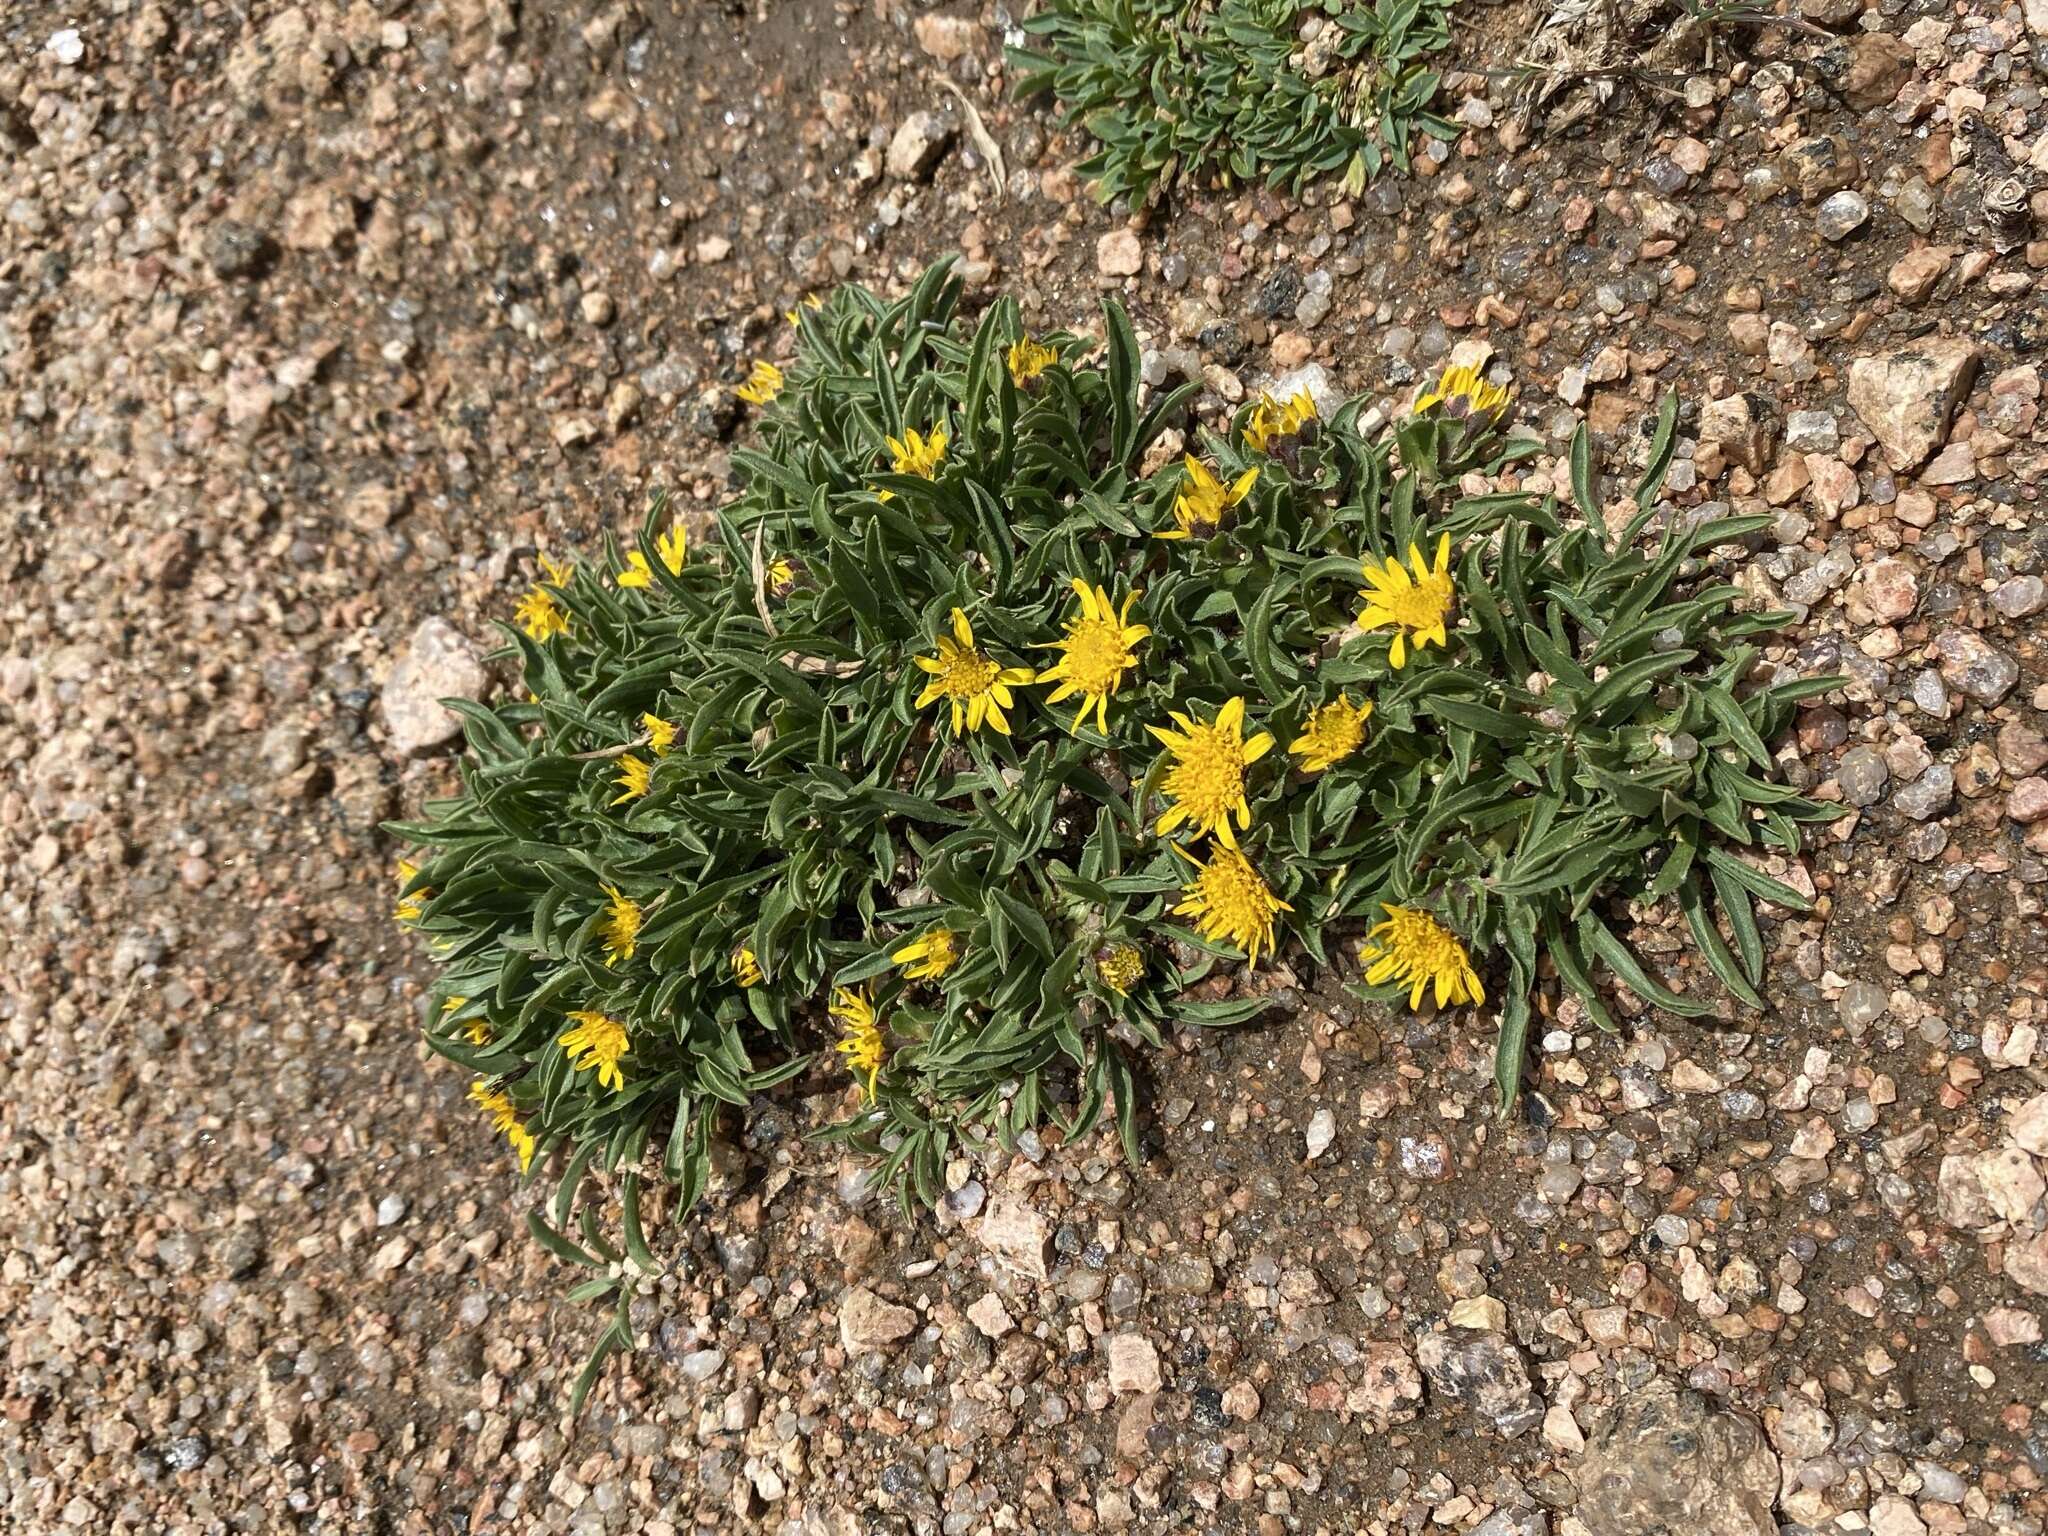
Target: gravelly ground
(315, 320)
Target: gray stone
(1314, 378)
(1812, 431)
(438, 663)
(1841, 215)
(1486, 1372)
(1972, 665)
(1669, 1460)
(1928, 795)
(1906, 396)
(2020, 597)
(1862, 1005)
(1862, 775)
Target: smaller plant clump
(1190, 90)
(981, 730)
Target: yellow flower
(1462, 394)
(1229, 900)
(540, 613)
(597, 1041)
(782, 576)
(1098, 650)
(672, 546)
(554, 573)
(476, 1031)
(1206, 781)
(917, 455)
(1028, 359)
(746, 968)
(764, 383)
(1121, 967)
(978, 688)
(504, 1119)
(1331, 734)
(622, 921)
(1412, 605)
(410, 904)
(635, 777)
(861, 1040)
(661, 734)
(929, 956)
(1271, 420)
(809, 301)
(1204, 501)
(1413, 948)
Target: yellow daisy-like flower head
(861, 1041)
(1272, 421)
(622, 921)
(410, 904)
(1204, 502)
(1463, 394)
(636, 776)
(1120, 966)
(638, 573)
(597, 1041)
(918, 455)
(673, 545)
(764, 383)
(782, 574)
(929, 956)
(1206, 781)
(661, 734)
(1415, 950)
(1229, 899)
(1330, 734)
(1028, 359)
(504, 1119)
(977, 688)
(1414, 603)
(1101, 646)
(541, 614)
(746, 967)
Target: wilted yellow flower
(1463, 394)
(1204, 501)
(1100, 647)
(1415, 605)
(636, 775)
(1028, 359)
(410, 904)
(1331, 734)
(1271, 420)
(597, 1041)
(622, 921)
(1206, 781)
(1415, 950)
(1230, 900)
(764, 383)
(746, 968)
(929, 956)
(504, 1119)
(917, 455)
(977, 688)
(1121, 967)
(661, 734)
(861, 1041)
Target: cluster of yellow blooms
(1204, 783)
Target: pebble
(1841, 215)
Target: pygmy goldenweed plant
(969, 744)
(1195, 89)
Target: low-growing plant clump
(1279, 91)
(984, 729)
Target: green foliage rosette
(985, 724)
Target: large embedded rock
(1669, 1460)
(1907, 395)
(1486, 1372)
